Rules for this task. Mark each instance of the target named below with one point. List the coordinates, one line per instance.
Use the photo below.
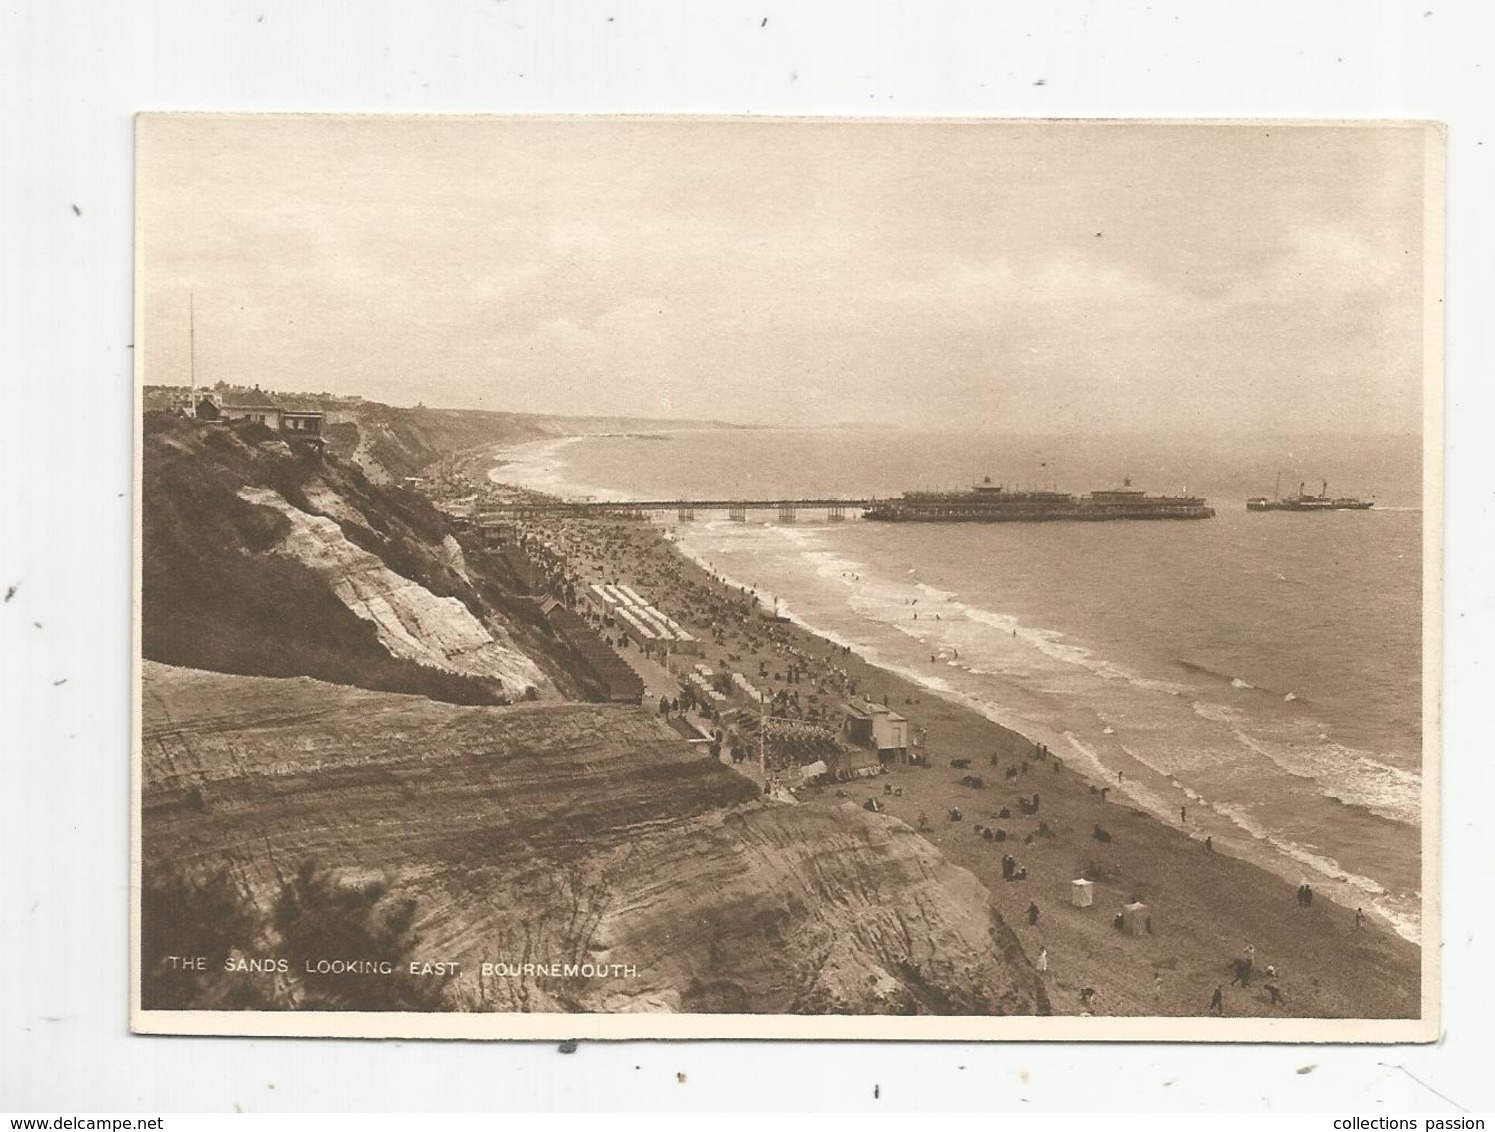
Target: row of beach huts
(646, 624)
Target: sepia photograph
(704, 577)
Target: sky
(1022, 277)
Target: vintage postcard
(691, 577)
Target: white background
(72, 73)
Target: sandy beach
(1207, 909)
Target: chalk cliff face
(411, 621)
(568, 834)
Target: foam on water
(987, 637)
(1215, 713)
(1402, 915)
(1351, 776)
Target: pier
(685, 510)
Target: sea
(1262, 671)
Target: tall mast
(192, 352)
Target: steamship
(1302, 501)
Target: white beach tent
(1082, 893)
(1135, 918)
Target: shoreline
(1239, 831)
(541, 468)
(1209, 906)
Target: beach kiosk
(1082, 893)
(1135, 918)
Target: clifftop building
(292, 416)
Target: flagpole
(192, 352)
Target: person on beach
(1209, 844)
(1032, 913)
(1359, 919)
(1043, 959)
(1157, 985)
(1183, 813)
(1217, 1001)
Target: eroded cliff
(555, 834)
(411, 621)
(264, 558)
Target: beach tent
(1082, 893)
(1134, 919)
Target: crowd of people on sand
(806, 679)
(802, 681)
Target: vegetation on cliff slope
(205, 915)
(214, 597)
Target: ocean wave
(1203, 670)
(933, 593)
(1089, 758)
(1215, 713)
(828, 564)
(1362, 889)
(1053, 644)
(1404, 921)
(1388, 791)
(1353, 777)
(1152, 764)
(1239, 683)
